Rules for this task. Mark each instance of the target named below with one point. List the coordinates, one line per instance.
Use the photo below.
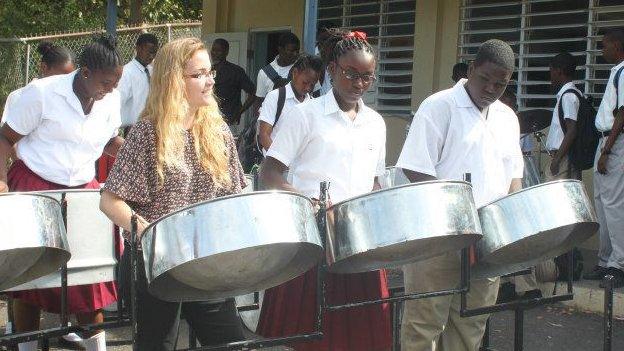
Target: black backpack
(583, 150)
(562, 265)
(249, 150)
(278, 81)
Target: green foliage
(19, 18)
(30, 17)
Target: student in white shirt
(135, 80)
(609, 166)
(333, 138)
(558, 143)
(305, 74)
(464, 129)
(275, 74)
(54, 60)
(60, 125)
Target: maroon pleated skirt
(290, 309)
(80, 298)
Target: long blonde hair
(167, 107)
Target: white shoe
(28, 345)
(96, 343)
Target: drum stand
(517, 306)
(12, 339)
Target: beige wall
(435, 53)
(243, 15)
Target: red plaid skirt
(290, 309)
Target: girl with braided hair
(333, 138)
(59, 126)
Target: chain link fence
(19, 59)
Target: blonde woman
(179, 153)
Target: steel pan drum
(91, 241)
(395, 226)
(32, 238)
(532, 225)
(231, 246)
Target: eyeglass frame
(369, 80)
(202, 75)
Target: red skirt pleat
(80, 298)
(290, 309)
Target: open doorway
(264, 44)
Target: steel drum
(392, 227)
(91, 239)
(231, 246)
(32, 242)
(533, 225)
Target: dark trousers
(158, 321)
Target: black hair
(147, 38)
(224, 43)
(460, 70)
(342, 41)
(288, 38)
(100, 54)
(308, 61)
(565, 62)
(54, 55)
(617, 35)
(497, 52)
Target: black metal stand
(608, 312)
(518, 306)
(12, 339)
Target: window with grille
(539, 29)
(390, 28)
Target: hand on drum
(602, 163)
(316, 203)
(554, 166)
(141, 225)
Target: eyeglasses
(350, 75)
(202, 75)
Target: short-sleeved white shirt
(10, 101)
(450, 137)
(570, 104)
(604, 117)
(319, 142)
(133, 89)
(269, 106)
(61, 143)
(264, 84)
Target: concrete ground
(556, 327)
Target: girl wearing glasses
(339, 139)
(181, 152)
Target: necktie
(147, 73)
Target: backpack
(616, 81)
(583, 149)
(249, 150)
(562, 265)
(278, 81)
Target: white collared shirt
(61, 143)
(604, 117)
(10, 101)
(449, 137)
(319, 142)
(264, 85)
(570, 104)
(133, 89)
(269, 106)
